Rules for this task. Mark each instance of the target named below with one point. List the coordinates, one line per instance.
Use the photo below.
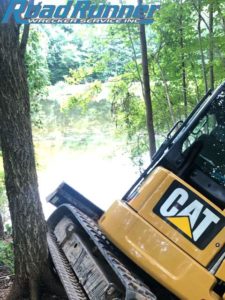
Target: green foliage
(83, 99)
(38, 75)
(96, 56)
(8, 229)
(66, 51)
(3, 198)
(6, 255)
(128, 110)
(167, 55)
(79, 75)
(174, 49)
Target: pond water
(101, 173)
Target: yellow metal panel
(147, 201)
(149, 187)
(156, 254)
(221, 272)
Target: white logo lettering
(172, 208)
(210, 218)
(193, 211)
(179, 196)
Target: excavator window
(204, 127)
(209, 136)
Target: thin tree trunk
(196, 82)
(166, 88)
(1, 227)
(135, 59)
(211, 47)
(195, 78)
(147, 89)
(183, 65)
(220, 14)
(184, 81)
(204, 72)
(134, 54)
(29, 228)
(216, 8)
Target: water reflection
(101, 174)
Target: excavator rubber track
(73, 289)
(133, 287)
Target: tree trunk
(166, 88)
(1, 228)
(29, 227)
(183, 65)
(215, 9)
(204, 72)
(195, 80)
(147, 89)
(211, 47)
(220, 14)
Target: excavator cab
(196, 153)
(166, 238)
(199, 155)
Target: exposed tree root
(18, 291)
(35, 289)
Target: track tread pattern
(135, 289)
(71, 285)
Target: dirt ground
(5, 283)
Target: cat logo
(189, 214)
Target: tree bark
(29, 227)
(220, 14)
(147, 89)
(196, 83)
(183, 65)
(211, 47)
(135, 59)
(204, 72)
(215, 10)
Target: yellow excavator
(166, 238)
